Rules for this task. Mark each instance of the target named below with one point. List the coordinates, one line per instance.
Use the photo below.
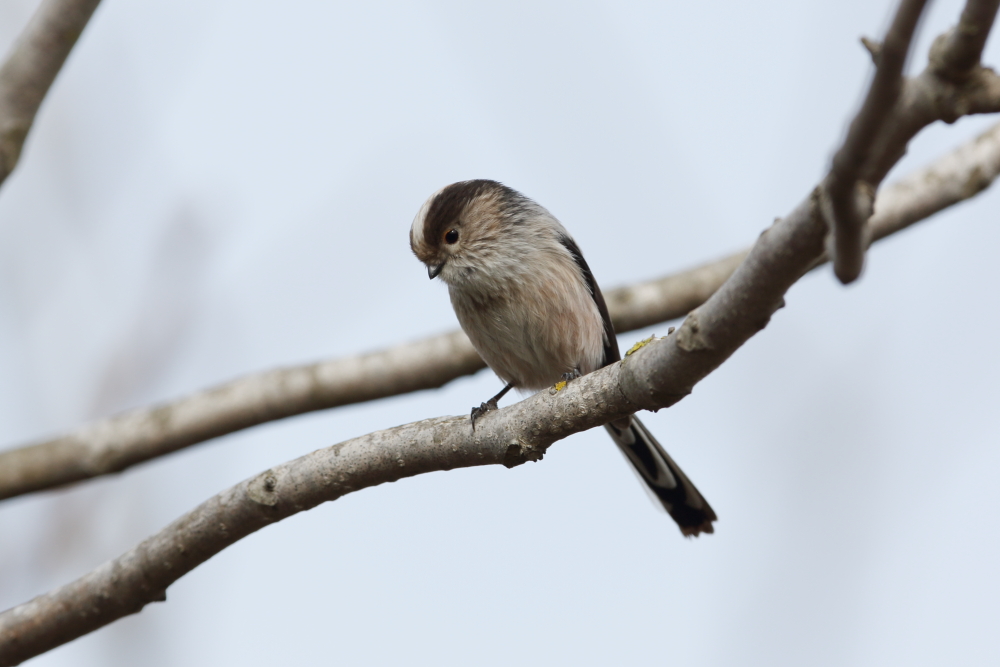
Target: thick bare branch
(850, 198)
(116, 443)
(119, 442)
(657, 375)
(113, 444)
(124, 586)
(32, 66)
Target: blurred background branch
(31, 67)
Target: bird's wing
(611, 353)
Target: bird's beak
(434, 269)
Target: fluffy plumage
(529, 303)
(515, 287)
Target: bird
(529, 303)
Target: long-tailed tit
(531, 307)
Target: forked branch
(851, 199)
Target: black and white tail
(663, 477)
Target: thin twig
(874, 49)
(851, 199)
(32, 66)
(962, 46)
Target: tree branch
(119, 442)
(657, 375)
(962, 46)
(940, 92)
(116, 443)
(32, 66)
(957, 176)
(510, 436)
(660, 373)
(851, 199)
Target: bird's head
(467, 228)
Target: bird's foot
(482, 410)
(572, 375)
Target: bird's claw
(572, 375)
(482, 410)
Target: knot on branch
(846, 207)
(518, 453)
(690, 337)
(951, 57)
(976, 91)
(642, 385)
(262, 489)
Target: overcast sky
(217, 187)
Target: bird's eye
(451, 237)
